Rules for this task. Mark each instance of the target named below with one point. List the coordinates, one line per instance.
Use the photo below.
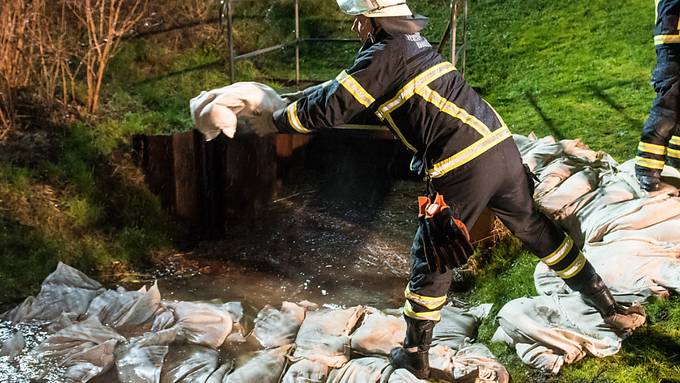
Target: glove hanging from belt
(445, 239)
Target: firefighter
(459, 143)
(660, 140)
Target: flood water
(337, 234)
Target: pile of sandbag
(74, 330)
(630, 236)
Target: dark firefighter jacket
(666, 30)
(402, 83)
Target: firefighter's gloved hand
(445, 239)
(627, 319)
(262, 123)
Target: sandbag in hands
(445, 238)
(243, 105)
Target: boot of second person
(649, 179)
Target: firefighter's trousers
(496, 180)
(660, 139)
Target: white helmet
(375, 8)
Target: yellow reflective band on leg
(470, 153)
(574, 268)
(666, 39)
(446, 106)
(675, 140)
(355, 89)
(673, 153)
(649, 163)
(652, 148)
(410, 88)
(427, 302)
(294, 120)
(425, 315)
(556, 256)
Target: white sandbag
(564, 324)
(220, 110)
(122, 308)
(362, 370)
(266, 367)
(458, 327)
(189, 363)
(85, 349)
(378, 333)
(324, 335)
(13, 346)
(306, 371)
(220, 373)
(66, 290)
(140, 360)
(274, 328)
(206, 324)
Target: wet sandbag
(65, 290)
(122, 308)
(324, 335)
(473, 362)
(140, 360)
(85, 349)
(206, 324)
(378, 333)
(306, 371)
(189, 363)
(274, 328)
(362, 370)
(266, 367)
(458, 326)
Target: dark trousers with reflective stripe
(661, 131)
(496, 180)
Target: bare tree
(105, 22)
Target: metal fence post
(230, 42)
(465, 29)
(297, 42)
(454, 29)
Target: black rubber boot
(620, 318)
(414, 355)
(649, 179)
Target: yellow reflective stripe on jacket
(556, 256)
(425, 315)
(430, 303)
(410, 88)
(399, 134)
(675, 140)
(649, 163)
(666, 39)
(673, 153)
(294, 120)
(355, 89)
(470, 153)
(574, 268)
(652, 148)
(432, 96)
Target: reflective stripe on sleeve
(574, 268)
(430, 303)
(470, 153)
(355, 89)
(294, 120)
(652, 148)
(556, 256)
(432, 96)
(435, 315)
(649, 163)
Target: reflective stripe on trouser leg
(566, 259)
(673, 151)
(426, 291)
(423, 307)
